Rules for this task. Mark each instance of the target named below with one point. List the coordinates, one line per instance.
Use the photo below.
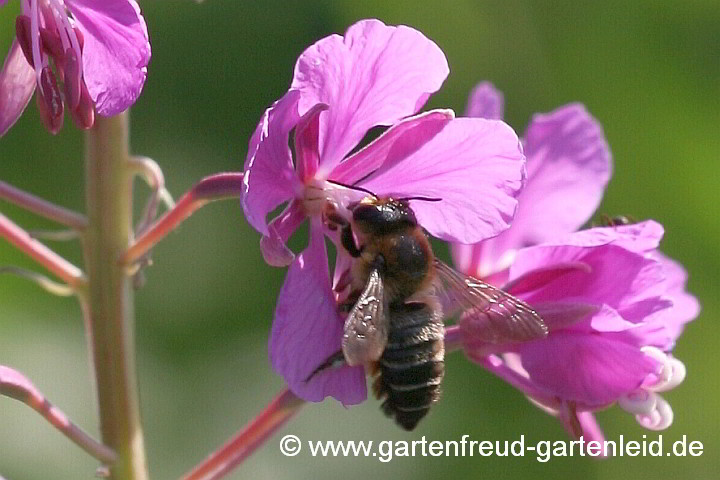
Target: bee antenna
(352, 187)
(422, 199)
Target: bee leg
(336, 360)
(348, 242)
(346, 305)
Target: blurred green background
(649, 71)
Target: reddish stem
(238, 448)
(17, 386)
(42, 207)
(215, 187)
(56, 264)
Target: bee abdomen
(412, 366)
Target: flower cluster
(613, 304)
(87, 55)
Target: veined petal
(559, 315)
(475, 166)
(568, 165)
(685, 306)
(17, 84)
(307, 136)
(269, 174)
(399, 141)
(539, 277)
(116, 52)
(374, 75)
(628, 282)
(485, 102)
(664, 328)
(591, 370)
(307, 330)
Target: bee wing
(366, 328)
(497, 316)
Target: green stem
(109, 307)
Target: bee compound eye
(370, 214)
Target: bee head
(382, 216)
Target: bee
(395, 309)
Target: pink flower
(374, 75)
(568, 165)
(614, 305)
(99, 50)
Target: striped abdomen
(412, 366)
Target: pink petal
(664, 328)
(588, 369)
(307, 330)
(485, 102)
(396, 143)
(640, 237)
(374, 75)
(466, 258)
(607, 320)
(685, 306)
(116, 52)
(306, 142)
(539, 277)
(272, 246)
(474, 165)
(17, 84)
(617, 277)
(569, 165)
(343, 264)
(559, 315)
(269, 173)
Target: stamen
(22, 31)
(68, 30)
(569, 415)
(73, 80)
(545, 408)
(49, 22)
(84, 114)
(55, 15)
(35, 40)
(80, 37)
(51, 42)
(49, 101)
